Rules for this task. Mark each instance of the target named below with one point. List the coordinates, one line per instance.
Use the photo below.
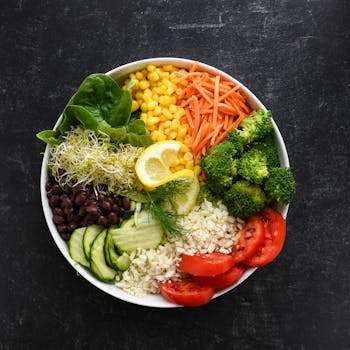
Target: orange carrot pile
(213, 106)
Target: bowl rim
(119, 73)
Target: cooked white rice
(208, 229)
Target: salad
(166, 183)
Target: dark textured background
(294, 56)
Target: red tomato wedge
(250, 239)
(210, 264)
(275, 233)
(186, 292)
(223, 280)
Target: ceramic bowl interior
(120, 74)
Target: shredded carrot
(213, 106)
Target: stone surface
(294, 55)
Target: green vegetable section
(105, 250)
(101, 106)
(245, 171)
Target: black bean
(66, 202)
(48, 185)
(118, 201)
(89, 219)
(102, 220)
(67, 189)
(113, 218)
(110, 200)
(105, 206)
(58, 220)
(54, 201)
(76, 218)
(115, 208)
(90, 202)
(80, 198)
(58, 211)
(82, 211)
(68, 211)
(93, 210)
(76, 189)
(61, 228)
(101, 197)
(65, 236)
(72, 226)
(126, 203)
(56, 189)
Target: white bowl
(119, 74)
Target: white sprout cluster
(89, 159)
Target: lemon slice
(153, 165)
(186, 201)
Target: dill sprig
(162, 204)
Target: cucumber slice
(123, 262)
(89, 236)
(97, 259)
(109, 248)
(75, 246)
(147, 234)
(113, 259)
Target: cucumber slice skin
(90, 234)
(97, 259)
(75, 247)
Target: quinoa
(149, 267)
(208, 228)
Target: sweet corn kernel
(148, 92)
(165, 100)
(147, 98)
(197, 170)
(173, 134)
(167, 114)
(164, 75)
(188, 156)
(179, 167)
(168, 67)
(157, 111)
(143, 116)
(144, 84)
(184, 148)
(139, 75)
(154, 76)
(175, 123)
(151, 67)
(134, 106)
(189, 165)
(138, 95)
(144, 107)
(152, 105)
(170, 90)
(152, 121)
(172, 108)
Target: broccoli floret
(270, 150)
(244, 199)
(280, 185)
(220, 166)
(205, 193)
(253, 166)
(252, 128)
